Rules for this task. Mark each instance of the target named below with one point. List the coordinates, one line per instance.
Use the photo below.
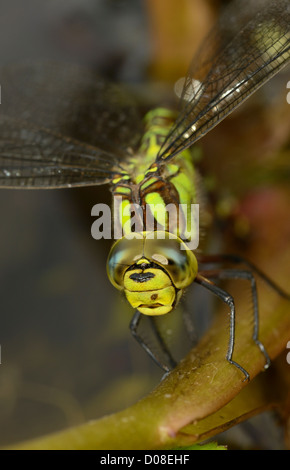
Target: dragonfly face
(152, 272)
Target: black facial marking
(141, 277)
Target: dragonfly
(63, 127)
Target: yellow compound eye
(170, 252)
(151, 270)
(124, 253)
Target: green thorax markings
(148, 183)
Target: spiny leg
(227, 299)
(237, 259)
(134, 324)
(162, 344)
(188, 323)
(246, 275)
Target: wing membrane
(250, 43)
(61, 125)
(38, 158)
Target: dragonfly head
(152, 271)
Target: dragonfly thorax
(152, 269)
(159, 194)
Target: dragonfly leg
(237, 259)
(247, 275)
(134, 324)
(189, 324)
(227, 299)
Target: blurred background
(66, 351)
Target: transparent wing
(249, 44)
(61, 125)
(38, 158)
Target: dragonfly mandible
(49, 139)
